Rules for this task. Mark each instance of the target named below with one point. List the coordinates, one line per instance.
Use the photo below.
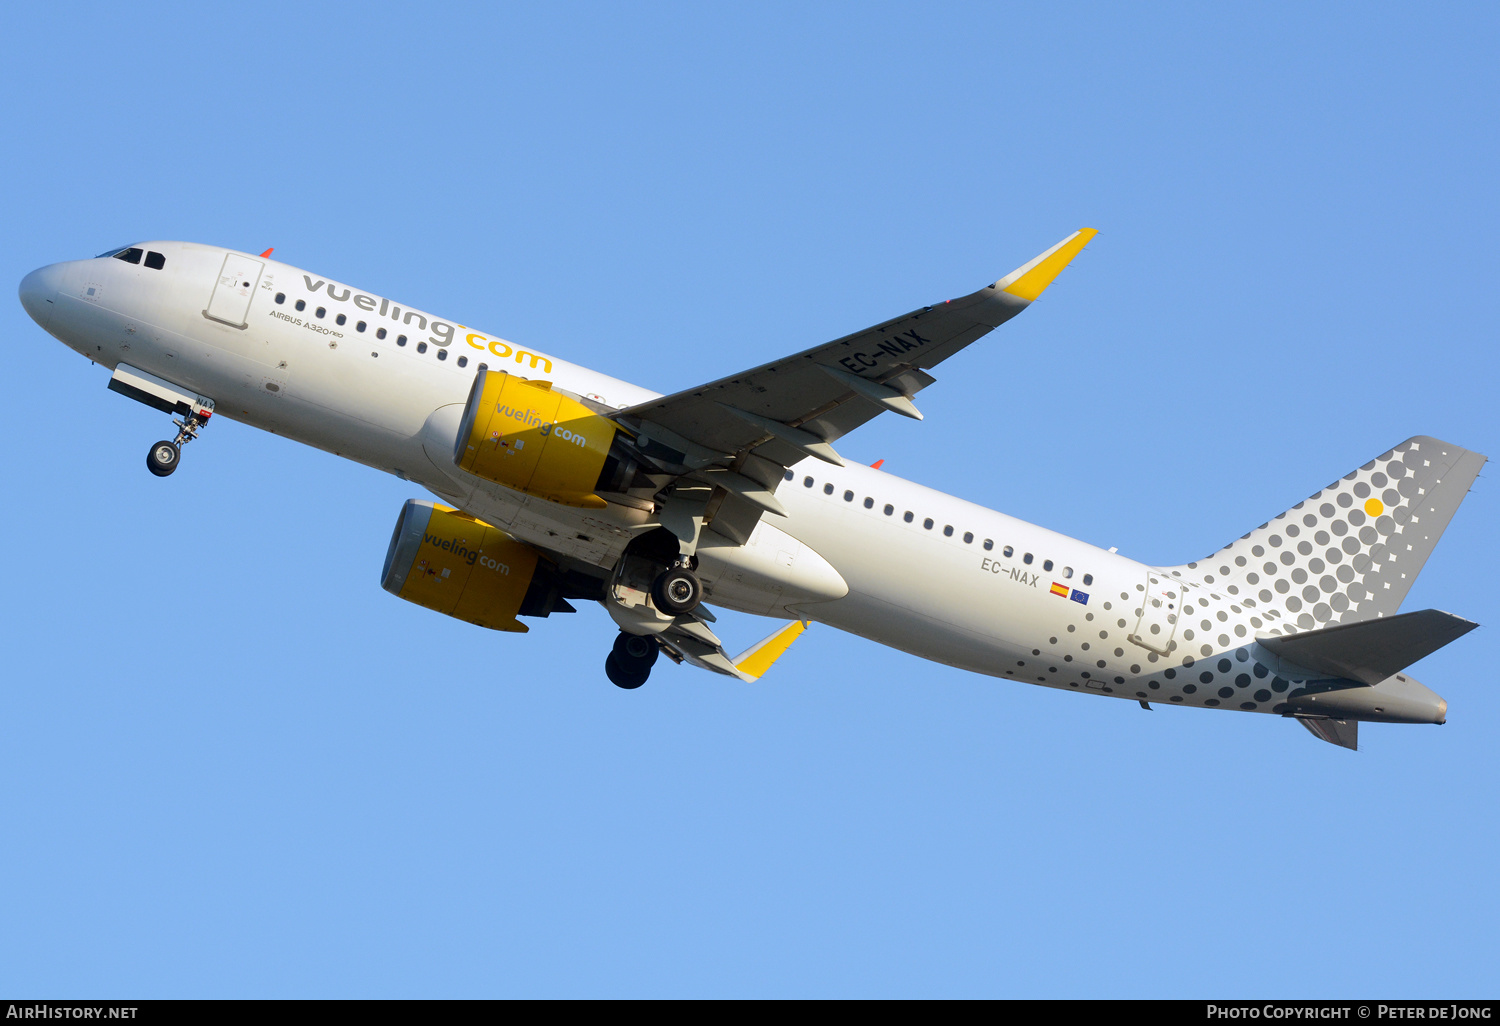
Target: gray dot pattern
(1336, 557)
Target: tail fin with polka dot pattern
(1351, 551)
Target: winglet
(757, 659)
(268, 252)
(1032, 278)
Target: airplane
(560, 484)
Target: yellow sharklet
(1031, 279)
(756, 660)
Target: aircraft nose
(38, 290)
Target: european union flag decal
(1080, 596)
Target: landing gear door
(230, 300)
(1161, 608)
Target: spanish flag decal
(1060, 589)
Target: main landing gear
(654, 589)
(162, 458)
(677, 590)
(630, 661)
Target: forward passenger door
(229, 303)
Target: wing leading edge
(758, 422)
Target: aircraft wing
(738, 434)
(693, 642)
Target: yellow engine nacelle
(523, 435)
(448, 561)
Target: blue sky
(233, 766)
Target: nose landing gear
(160, 394)
(630, 661)
(164, 456)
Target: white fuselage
(926, 572)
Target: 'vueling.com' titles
(440, 333)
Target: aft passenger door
(230, 300)
(1161, 608)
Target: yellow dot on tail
(1374, 507)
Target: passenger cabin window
(1088, 578)
(848, 496)
(828, 488)
(1007, 552)
(1026, 559)
(400, 340)
(989, 543)
(155, 261)
(1067, 572)
(807, 482)
(442, 354)
(421, 347)
(380, 333)
(340, 319)
(968, 537)
(927, 523)
(130, 256)
(907, 516)
(869, 502)
(789, 475)
(463, 361)
(889, 509)
(947, 530)
(320, 311)
(1047, 565)
(360, 326)
(301, 305)
(280, 298)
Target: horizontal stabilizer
(1371, 650)
(1344, 733)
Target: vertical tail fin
(1352, 551)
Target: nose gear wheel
(162, 458)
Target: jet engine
(522, 434)
(448, 561)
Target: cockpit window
(133, 254)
